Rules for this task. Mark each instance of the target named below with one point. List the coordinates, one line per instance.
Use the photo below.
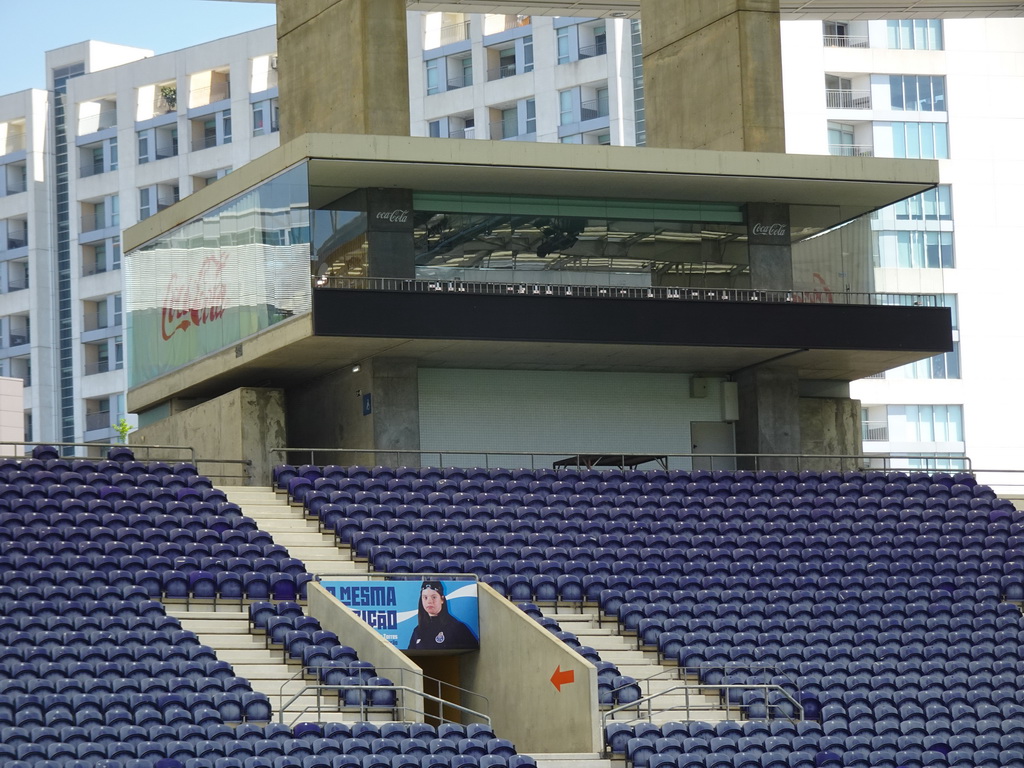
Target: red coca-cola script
(189, 303)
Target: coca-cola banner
(215, 281)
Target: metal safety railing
(98, 450)
(495, 458)
(564, 290)
(689, 699)
(410, 698)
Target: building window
(433, 77)
(927, 141)
(944, 366)
(531, 116)
(265, 117)
(913, 250)
(562, 45)
(918, 93)
(566, 113)
(435, 129)
(933, 205)
(915, 34)
(528, 53)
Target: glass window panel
(896, 91)
(939, 94)
(913, 134)
(927, 141)
(910, 93)
(935, 35)
(899, 140)
(941, 140)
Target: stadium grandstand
(503, 455)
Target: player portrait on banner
(436, 628)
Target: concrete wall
(353, 631)
(334, 74)
(513, 669)
(830, 426)
(242, 424)
(729, 53)
(768, 405)
(12, 414)
(339, 420)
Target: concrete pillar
(769, 423)
(342, 67)
(374, 407)
(769, 247)
(713, 74)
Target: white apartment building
(916, 88)
(118, 135)
(134, 132)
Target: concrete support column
(769, 400)
(374, 407)
(713, 74)
(342, 67)
(769, 247)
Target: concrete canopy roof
(823, 191)
(839, 10)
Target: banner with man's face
(415, 615)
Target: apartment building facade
(118, 135)
(898, 88)
(122, 133)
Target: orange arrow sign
(560, 678)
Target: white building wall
(983, 63)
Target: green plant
(123, 428)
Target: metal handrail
(92, 450)
(846, 41)
(851, 150)
(845, 99)
(744, 295)
(543, 460)
(644, 702)
(399, 686)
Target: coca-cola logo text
(395, 217)
(191, 303)
(771, 230)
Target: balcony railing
(591, 110)
(16, 185)
(500, 73)
(94, 221)
(847, 99)
(15, 142)
(93, 268)
(17, 241)
(93, 169)
(17, 338)
(454, 33)
(101, 366)
(874, 430)
(502, 130)
(18, 284)
(97, 420)
(205, 142)
(459, 82)
(851, 150)
(100, 122)
(210, 93)
(95, 321)
(590, 51)
(846, 41)
(462, 133)
(514, 22)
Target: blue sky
(36, 26)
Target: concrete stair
(226, 630)
(655, 678)
(574, 760)
(290, 528)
